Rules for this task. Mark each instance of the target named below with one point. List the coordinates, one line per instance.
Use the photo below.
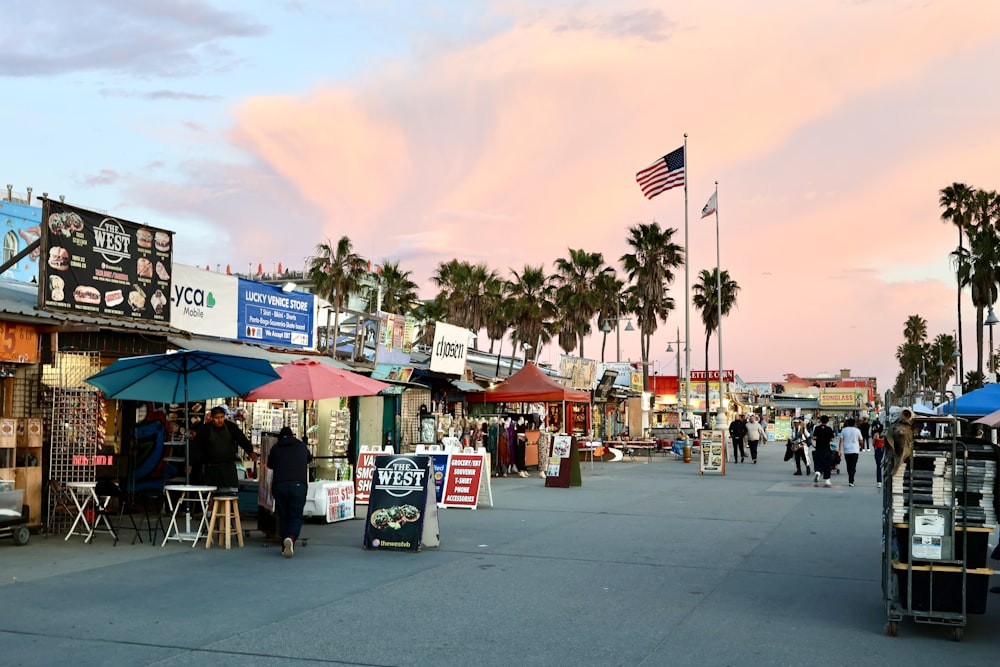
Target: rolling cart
(937, 517)
(12, 524)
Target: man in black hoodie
(289, 461)
(214, 451)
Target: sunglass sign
(402, 512)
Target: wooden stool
(227, 508)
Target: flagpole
(687, 285)
(718, 287)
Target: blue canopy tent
(974, 404)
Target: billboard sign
(96, 264)
(22, 226)
(213, 304)
(203, 302)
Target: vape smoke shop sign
(402, 512)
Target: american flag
(665, 173)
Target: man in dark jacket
(737, 434)
(214, 451)
(289, 461)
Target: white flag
(710, 207)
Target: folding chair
(60, 502)
(108, 492)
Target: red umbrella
(310, 380)
(280, 271)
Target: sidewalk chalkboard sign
(563, 449)
(463, 478)
(713, 452)
(402, 512)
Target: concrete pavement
(645, 564)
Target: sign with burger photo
(97, 264)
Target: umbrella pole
(187, 454)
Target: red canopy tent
(529, 385)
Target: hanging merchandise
(340, 429)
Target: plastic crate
(979, 547)
(947, 591)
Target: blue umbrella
(179, 377)
(189, 375)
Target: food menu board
(97, 264)
(713, 451)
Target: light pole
(680, 410)
(606, 326)
(991, 319)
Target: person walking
(754, 436)
(878, 443)
(737, 433)
(823, 439)
(289, 460)
(799, 440)
(215, 450)
(866, 437)
(849, 447)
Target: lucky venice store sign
(450, 349)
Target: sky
(509, 132)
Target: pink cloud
(828, 130)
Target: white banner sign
(451, 345)
(204, 302)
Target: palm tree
(466, 289)
(943, 348)
(428, 313)
(399, 293)
(495, 302)
(608, 289)
(650, 268)
(912, 355)
(336, 272)
(712, 290)
(979, 266)
(577, 296)
(530, 306)
(956, 200)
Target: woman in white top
(754, 435)
(850, 447)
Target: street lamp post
(991, 319)
(681, 407)
(606, 327)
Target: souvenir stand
(938, 513)
(567, 410)
(331, 487)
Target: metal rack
(929, 528)
(77, 425)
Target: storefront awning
(247, 350)
(462, 385)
